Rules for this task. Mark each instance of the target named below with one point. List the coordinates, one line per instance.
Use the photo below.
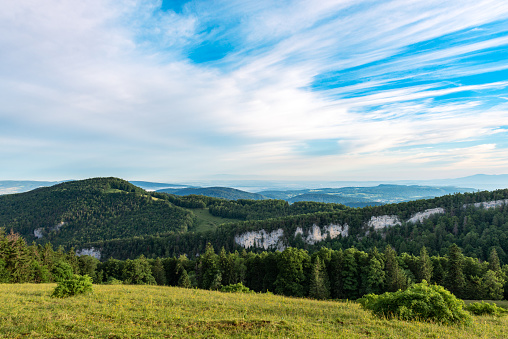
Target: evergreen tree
(455, 281)
(492, 286)
(184, 280)
(319, 283)
(209, 269)
(494, 264)
(424, 269)
(158, 272)
(395, 278)
(374, 277)
(349, 273)
(337, 285)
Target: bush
(236, 288)
(78, 284)
(421, 302)
(483, 308)
(61, 271)
(113, 281)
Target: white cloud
(109, 82)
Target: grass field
(208, 222)
(121, 311)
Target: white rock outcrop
(489, 204)
(336, 230)
(261, 239)
(93, 252)
(316, 234)
(38, 232)
(383, 221)
(421, 216)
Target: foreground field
(156, 312)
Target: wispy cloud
(335, 89)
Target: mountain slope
(90, 210)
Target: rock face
(261, 239)
(489, 204)
(420, 216)
(383, 221)
(93, 252)
(273, 240)
(316, 234)
(39, 232)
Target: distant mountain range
(215, 192)
(20, 186)
(351, 193)
(349, 196)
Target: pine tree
(337, 285)
(454, 279)
(158, 272)
(374, 277)
(319, 283)
(350, 283)
(395, 278)
(494, 264)
(492, 286)
(184, 280)
(208, 265)
(424, 269)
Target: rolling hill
(215, 192)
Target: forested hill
(74, 212)
(476, 222)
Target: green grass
(121, 311)
(208, 222)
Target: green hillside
(90, 210)
(122, 311)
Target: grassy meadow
(208, 222)
(124, 311)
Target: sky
(174, 91)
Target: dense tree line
(342, 274)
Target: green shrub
(484, 308)
(113, 281)
(78, 284)
(61, 271)
(421, 302)
(236, 288)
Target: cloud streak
(330, 90)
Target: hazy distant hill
(154, 186)
(380, 194)
(333, 199)
(19, 186)
(215, 192)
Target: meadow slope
(122, 311)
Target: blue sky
(284, 90)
